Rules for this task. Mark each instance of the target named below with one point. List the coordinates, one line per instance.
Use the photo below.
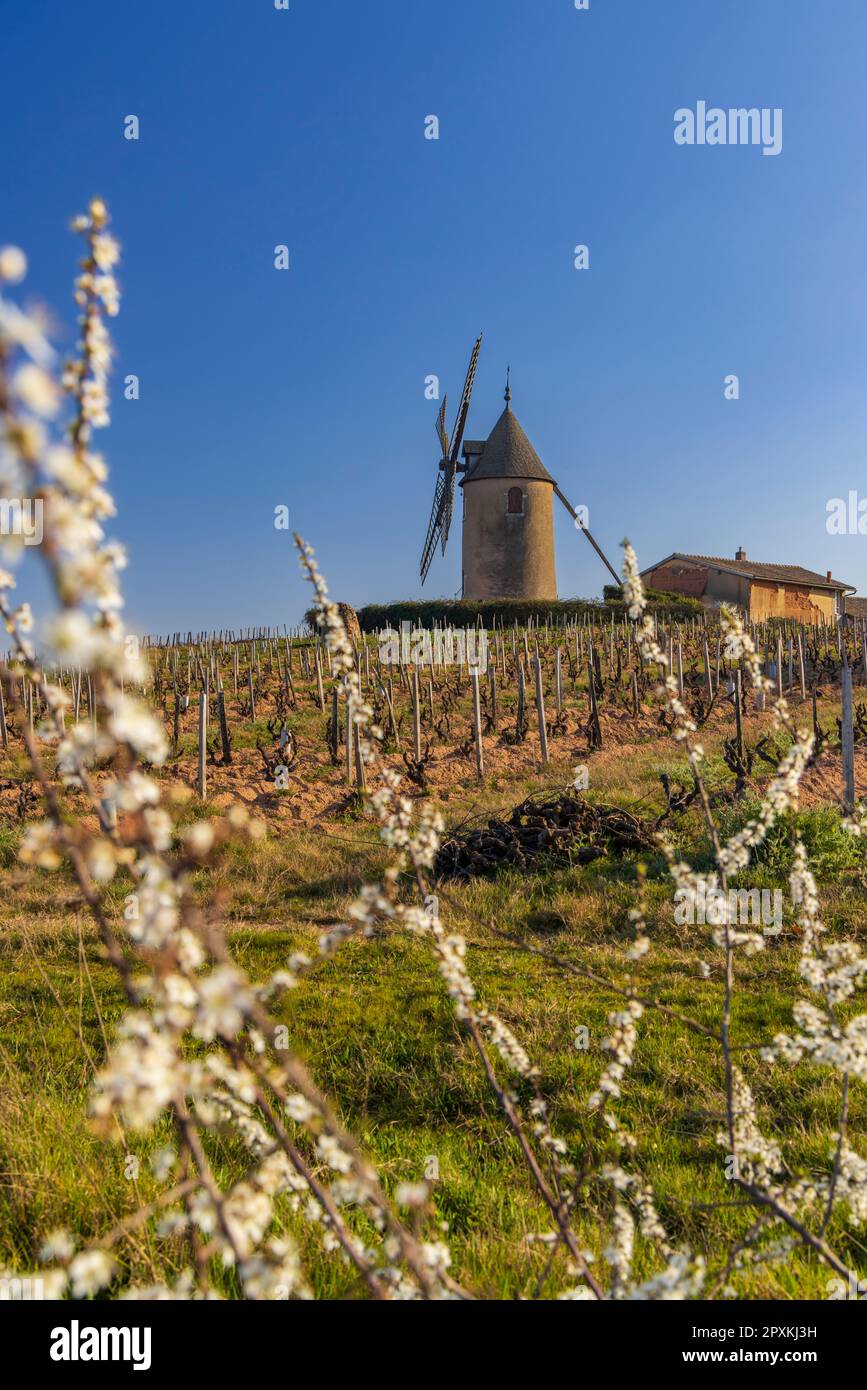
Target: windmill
(508, 533)
(444, 492)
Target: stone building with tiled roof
(758, 588)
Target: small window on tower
(515, 504)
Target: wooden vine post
(519, 713)
(847, 738)
(540, 710)
(477, 724)
(202, 783)
(416, 717)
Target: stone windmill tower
(508, 522)
(508, 533)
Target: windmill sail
(434, 527)
(444, 492)
(464, 409)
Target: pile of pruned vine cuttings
(568, 828)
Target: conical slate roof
(508, 453)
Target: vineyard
(258, 718)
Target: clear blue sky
(306, 127)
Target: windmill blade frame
(434, 527)
(442, 432)
(464, 408)
(448, 503)
(444, 492)
(457, 440)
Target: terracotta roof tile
(757, 569)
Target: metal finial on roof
(508, 395)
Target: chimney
(740, 553)
(829, 576)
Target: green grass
(378, 1033)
